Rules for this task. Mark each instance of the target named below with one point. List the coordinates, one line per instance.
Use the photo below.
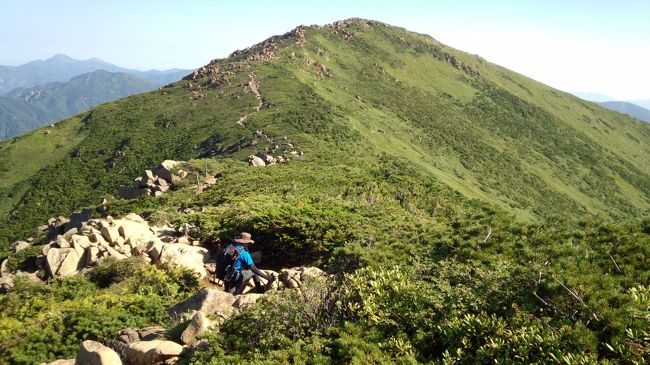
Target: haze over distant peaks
(62, 68)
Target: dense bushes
(40, 323)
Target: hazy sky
(574, 45)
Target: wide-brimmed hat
(243, 237)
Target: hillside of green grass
(363, 87)
(468, 214)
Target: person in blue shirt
(245, 269)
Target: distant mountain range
(62, 68)
(628, 108)
(41, 92)
(635, 108)
(24, 109)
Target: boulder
(115, 253)
(246, 300)
(154, 249)
(167, 168)
(94, 353)
(311, 273)
(62, 242)
(151, 352)
(20, 245)
(209, 301)
(199, 324)
(290, 278)
(133, 229)
(6, 283)
(110, 234)
(3, 268)
(92, 255)
(256, 161)
(80, 241)
(127, 336)
(46, 248)
(191, 257)
(64, 261)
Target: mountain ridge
(463, 213)
(509, 151)
(60, 68)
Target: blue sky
(596, 46)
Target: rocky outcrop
(209, 301)
(128, 336)
(19, 246)
(192, 257)
(157, 181)
(94, 353)
(199, 324)
(152, 352)
(130, 236)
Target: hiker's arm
(259, 272)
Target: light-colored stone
(199, 324)
(164, 170)
(192, 257)
(114, 253)
(94, 353)
(154, 249)
(20, 245)
(80, 241)
(110, 234)
(290, 278)
(134, 218)
(256, 161)
(92, 255)
(132, 229)
(62, 242)
(46, 248)
(209, 301)
(307, 273)
(63, 262)
(6, 283)
(246, 300)
(3, 268)
(151, 352)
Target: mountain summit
(360, 89)
(462, 213)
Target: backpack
(226, 262)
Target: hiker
(242, 268)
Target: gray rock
(256, 161)
(209, 301)
(192, 257)
(94, 353)
(246, 300)
(20, 245)
(197, 326)
(151, 352)
(63, 262)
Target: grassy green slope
(360, 88)
(416, 176)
